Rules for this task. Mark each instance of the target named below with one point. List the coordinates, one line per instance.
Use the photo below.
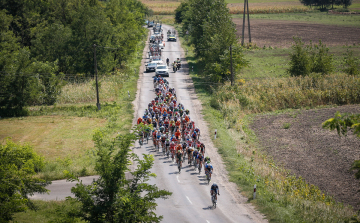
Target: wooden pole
(231, 67)
(243, 28)
(96, 79)
(247, 3)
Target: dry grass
(52, 136)
(84, 92)
(168, 7)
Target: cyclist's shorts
(158, 137)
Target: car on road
(150, 24)
(150, 66)
(156, 60)
(162, 70)
(171, 38)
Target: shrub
(351, 64)
(299, 59)
(310, 58)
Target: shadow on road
(208, 208)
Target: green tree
(112, 197)
(180, 12)
(343, 123)
(299, 59)
(322, 60)
(18, 165)
(312, 58)
(351, 63)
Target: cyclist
(208, 168)
(207, 159)
(178, 134)
(200, 159)
(215, 189)
(190, 151)
(139, 120)
(195, 153)
(197, 130)
(178, 157)
(167, 145)
(202, 148)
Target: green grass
(273, 62)
(48, 211)
(311, 17)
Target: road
(190, 201)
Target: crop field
(280, 33)
(235, 7)
(297, 141)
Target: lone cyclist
(215, 189)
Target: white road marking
(207, 221)
(188, 199)
(177, 177)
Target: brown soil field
(318, 155)
(278, 33)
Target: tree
(323, 4)
(18, 165)
(312, 58)
(343, 123)
(351, 63)
(299, 59)
(180, 12)
(322, 60)
(112, 197)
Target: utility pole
(231, 67)
(247, 3)
(246, 6)
(243, 27)
(96, 79)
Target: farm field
(277, 33)
(319, 156)
(52, 136)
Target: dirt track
(321, 157)
(277, 33)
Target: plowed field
(278, 33)
(319, 156)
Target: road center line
(177, 177)
(188, 199)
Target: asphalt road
(190, 201)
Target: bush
(351, 64)
(299, 59)
(310, 58)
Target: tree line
(208, 26)
(326, 3)
(43, 41)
